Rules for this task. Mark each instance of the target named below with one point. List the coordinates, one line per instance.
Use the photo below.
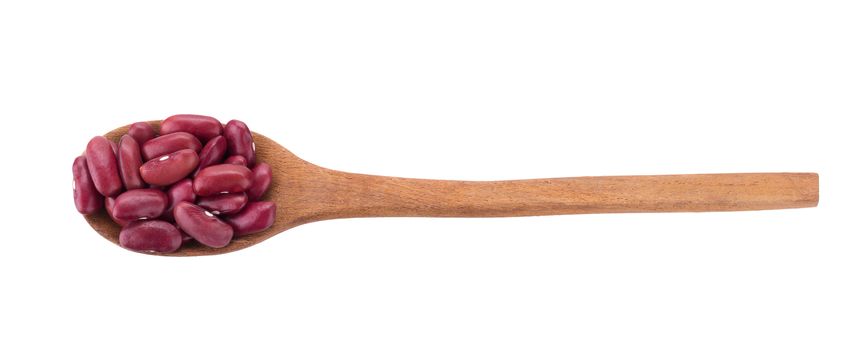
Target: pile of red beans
(169, 190)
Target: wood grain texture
(306, 193)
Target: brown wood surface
(305, 193)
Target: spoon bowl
(304, 193)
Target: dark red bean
(143, 203)
(141, 132)
(203, 127)
(87, 200)
(109, 203)
(181, 191)
(150, 236)
(212, 153)
(226, 203)
(169, 169)
(202, 225)
(240, 141)
(236, 160)
(222, 178)
(256, 217)
(130, 162)
(166, 144)
(102, 165)
(262, 177)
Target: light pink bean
(202, 225)
(103, 167)
(87, 200)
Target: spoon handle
(355, 195)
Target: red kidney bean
(212, 153)
(262, 176)
(140, 204)
(169, 169)
(222, 178)
(109, 203)
(256, 217)
(203, 127)
(86, 197)
(115, 147)
(240, 141)
(181, 191)
(169, 143)
(103, 169)
(236, 160)
(226, 203)
(150, 235)
(141, 132)
(130, 161)
(202, 225)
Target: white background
(476, 90)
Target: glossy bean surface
(169, 169)
(130, 162)
(181, 191)
(256, 217)
(143, 203)
(222, 178)
(227, 203)
(212, 153)
(262, 177)
(141, 132)
(87, 199)
(103, 167)
(150, 236)
(202, 225)
(169, 143)
(240, 140)
(236, 160)
(203, 127)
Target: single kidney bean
(103, 169)
(150, 235)
(170, 168)
(141, 132)
(212, 153)
(262, 176)
(226, 203)
(181, 191)
(202, 225)
(109, 203)
(143, 203)
(130, 161)
(203, 127)
(240, 141)
(86, 197)
(236, 160)
(256, 217)
(169, 143)
(222, 178)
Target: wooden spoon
(305, 192)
